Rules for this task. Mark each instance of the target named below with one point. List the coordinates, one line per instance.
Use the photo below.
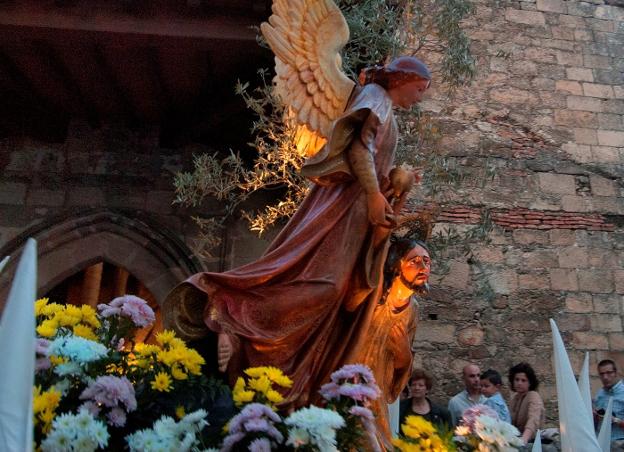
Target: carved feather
(306, 37)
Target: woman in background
(526, 406)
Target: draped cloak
(306, 304)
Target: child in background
(491, 383)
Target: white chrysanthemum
(320, 424)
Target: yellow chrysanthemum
(47, 328)
(417, 426)
(239, 385)
(255, 372)
(273, 396)
(146, 349)
(161, 382)
(241, 397)
(178, 373)
(89, 316)
(44, 406)
(165, 337)
(56, 360)
(179, 412)
(84, 331)
(39, 305)
(261, 384)
(50, 309)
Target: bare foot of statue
(224, 351)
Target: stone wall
(108, 194)
(546, 113)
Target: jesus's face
(416, 267)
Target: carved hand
(379, 210)
(225, 349)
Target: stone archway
(136, 242)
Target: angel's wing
(306, 37)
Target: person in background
(419, 404)
(526, 406)
(612, 387)
(491, 383)
(471, 375)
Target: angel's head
(405, 79)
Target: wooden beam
(34, 20)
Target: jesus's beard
(418, 289)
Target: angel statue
(306, 305)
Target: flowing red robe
(305, 305)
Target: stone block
(579, 73)
(562, 237)
(595, 280)
(524, 17)
(616, 341)
(540, 55)
(503, 282)
(514, 96)
(584, 103)
(562, 33)
(618, 91)
(618, 278)
(552, 6)
(570, 118)
(572, 21)
(580, 303)
(540, 259)
(544, 84)
(610, 138)
(607, 304)
(581, 9)
(571, 203)
(570, 87)
(435, 333)
(579, 152)
(573, 257)
(530, 236)
(12, 193)
(573, 322)
(583, 35)
(598, 90)
(611, 121)
(85, 196)
(534, 281)
(614, 78)
(613, 106)
(563, 279)
(160, 201)
(557, 183)
(601, 186)
(606, 323)
(585, 136)
(590, 341)
(604, 259)
(43, 197)
(605, 154)
(605, 26)
(596, 61)
(569, 58)
(489, 254)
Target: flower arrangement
(350, 392)
(420, 435)
(258, 387)
(92, 377)
(482, 431)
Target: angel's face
(409, 93)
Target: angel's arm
(361, 159)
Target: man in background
(471, 375)
(612, 387)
